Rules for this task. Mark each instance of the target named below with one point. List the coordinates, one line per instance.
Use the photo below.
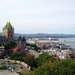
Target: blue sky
(39, 16)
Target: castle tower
(21, 43)
(8, 31)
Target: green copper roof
(8, 26)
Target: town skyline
(42, 16)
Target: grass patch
(25, 72)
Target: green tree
(29, 59)
(72, 56)
(44, 69)
(48, 67)
(10, 45)
(62, 67)
(44, 57)
(16, 56)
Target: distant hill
(43, 35)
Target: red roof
(15, 49)
(55, 57)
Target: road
(6, 72)
(33, 52)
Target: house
(61, 55)
(2, 49)
(3, 64)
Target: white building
(2, 49)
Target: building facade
(8, 31)
(21, 43)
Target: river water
(69, 41)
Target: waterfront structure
(43, 43)
(8, 31)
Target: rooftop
(8, 26)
